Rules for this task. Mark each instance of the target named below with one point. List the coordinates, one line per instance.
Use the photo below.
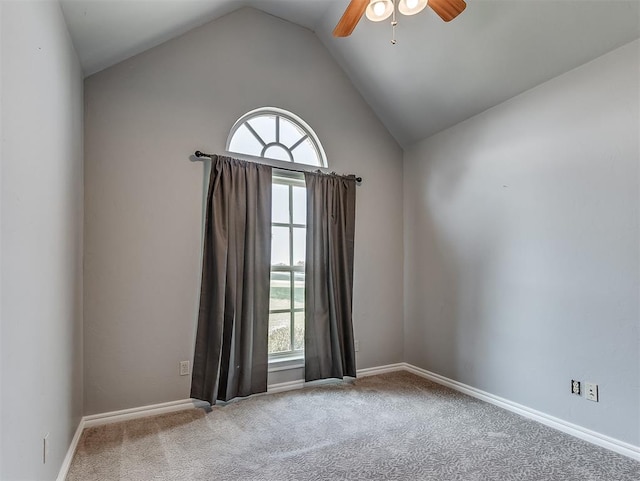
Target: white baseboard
(66, 462)
(373, 371)
(585, 434)
(300, 383)
(141, 412)
(285, 386)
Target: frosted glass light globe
(379, 10)
(411, 7)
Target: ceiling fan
(378, 10)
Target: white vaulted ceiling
(437, 74)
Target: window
(288, 236)
(273, 133)
(276, 134)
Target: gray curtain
(329, 349)
(231, 356)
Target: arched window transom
(274, 133)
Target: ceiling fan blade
(447, 9)
(350, 18)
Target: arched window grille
(274, 133)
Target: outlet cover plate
(184, 368)
(575, 387)
(591, 391)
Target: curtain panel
(231, 356)
(329, 346)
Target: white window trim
(291, 359)
(292, 118)
(285, 363)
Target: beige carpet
(395, 426)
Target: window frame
(290, 179)
(291, 117)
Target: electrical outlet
(184, 368)
(45, 448)
(591, 391)
(356, 345)
(575, 387)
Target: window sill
(285, 363)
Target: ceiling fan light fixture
(379, 10)
(411, 7)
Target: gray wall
(41, 198)
(143, 117)
(1, 329)
(522, 247)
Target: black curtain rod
(200, 154)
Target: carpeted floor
(394, 426)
